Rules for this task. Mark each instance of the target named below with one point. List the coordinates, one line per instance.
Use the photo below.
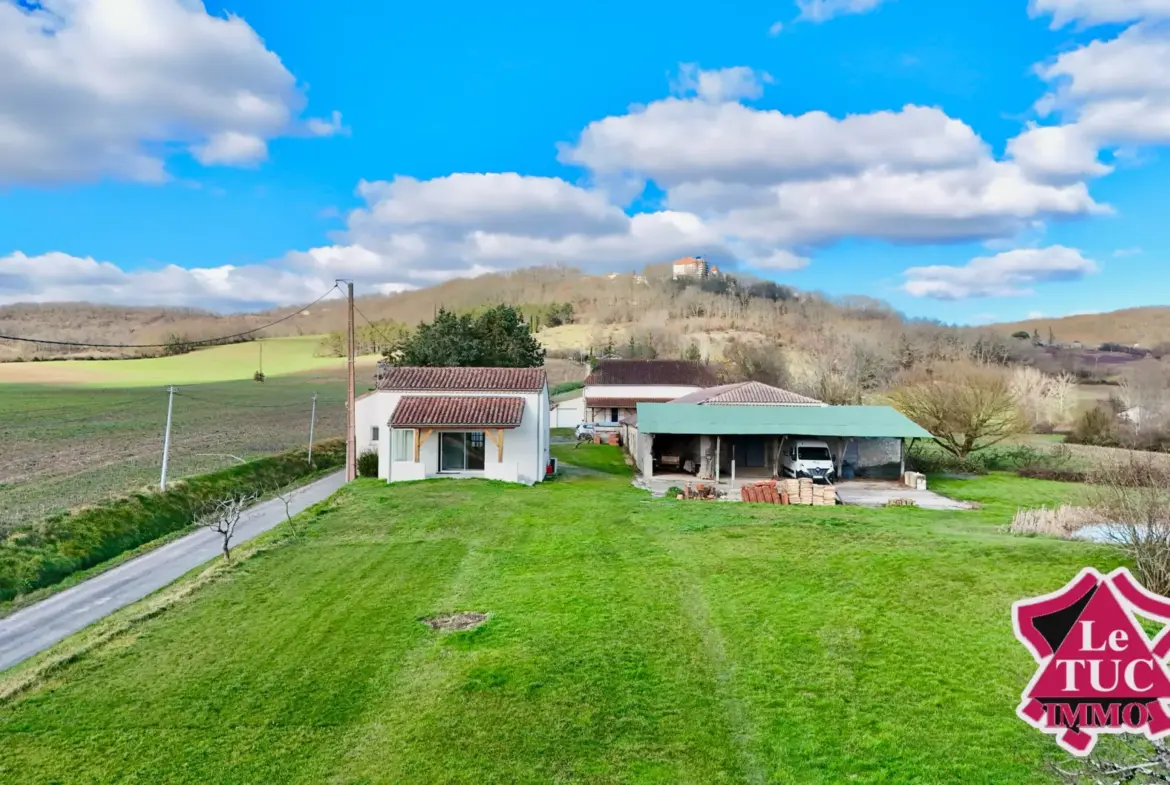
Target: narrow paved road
(39, 626)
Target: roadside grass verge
(629, 639)
(41, 555)
(8, 607)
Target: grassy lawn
(630, 639)
(590, 456)
(236, 362)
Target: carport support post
(902, 459)
(718, 439)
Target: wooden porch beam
(498, 440)
(420, 437)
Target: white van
(808, 458)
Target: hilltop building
(690, 267)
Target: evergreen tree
(498, 338)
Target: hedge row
(45, 553)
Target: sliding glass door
(461, 451)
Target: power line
(202, 342)
(238, 405)
(381, 334)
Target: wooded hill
(578, 312)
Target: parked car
(808, 458)
(584, 431)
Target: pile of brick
(699, 491)
(802, 491)
(763, 493)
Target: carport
(734, 443)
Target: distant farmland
(236, 362)
(69, 446)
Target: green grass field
(629, 639)
(237, 362)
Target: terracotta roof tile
(747, 394)
(671, 372)
(449, 411)
(621, 403)
(462, 379)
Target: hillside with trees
(1146, 327)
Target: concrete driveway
(876, 493)
(37, 627)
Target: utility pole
(162, 483)
(312, 422)
(351, 428)
(261, 342)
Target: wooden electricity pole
(350, 428)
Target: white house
(457, 422)
(614, 388)
(568, 409)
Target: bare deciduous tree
(1043, 399)
(284, 494)
(1133, 498)
(1144, 392)
(223, 516)
(751, 362)
(966, 408)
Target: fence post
(162, 483)
(312, 422)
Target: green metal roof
(855, 421)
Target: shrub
(1054, 473)
(367, 463)
(42, 554)
(673, 492)
(1097, 427)
(925, 458)
(259, 376)
(564, 387)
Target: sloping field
(1145, 326)
(67, 446)
(627, 639)
(237, 362)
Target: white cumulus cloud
(824, 10)
(61, 277)
(417, 232)
(721, 85)
(1095, 12)
(96, 88)
(1008, 274)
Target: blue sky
(246, 153)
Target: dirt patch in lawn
(455, 622)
